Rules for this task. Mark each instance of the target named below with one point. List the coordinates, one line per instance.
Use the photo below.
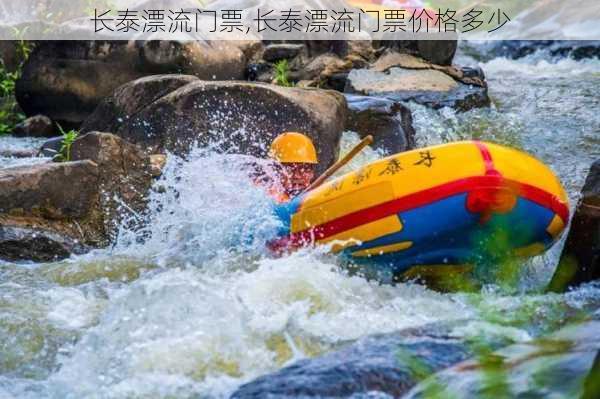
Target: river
(188, 313)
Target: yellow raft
(454, 203)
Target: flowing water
(188, 312)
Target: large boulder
(387, 364)
(561, 365)
(580, 259)
(50, 210)
(66, 80)
(174, 112)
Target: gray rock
(51, 147)
(35, 126)
(236, 116)
(281, 51)
(35, 244)
(429, 87)
(389, 364)
(389, 122)
(580, 259)
(18, 153)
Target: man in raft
(296, 157)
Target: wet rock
(50, 190)
(580, 259)
(18, 153)
(260, 71)
(429, 87)
(157, 163)
(124, 179)
(388, 364)
(35, 244)
(51, 147)
(472, 72)
(35, 126)
(555, 366)
(329, 71)
(83, 201)
(66, 80)
(282, 51)
(389, 122)
(237, 116)
(46, 209)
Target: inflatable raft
(451, 204)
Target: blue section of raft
(445, 232)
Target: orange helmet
(292, 147)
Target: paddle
(336, 166)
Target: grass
(282, 71)
(69, 137)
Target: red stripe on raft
(416, 200)
(490, 169)
(525, 190)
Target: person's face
(297, 176)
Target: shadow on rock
(389, 364)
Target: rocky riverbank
(71, 84)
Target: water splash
(203, 208)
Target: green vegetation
(69, 137)
(10, 114)
(9, 110)
(23, 47)
(282, 71)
